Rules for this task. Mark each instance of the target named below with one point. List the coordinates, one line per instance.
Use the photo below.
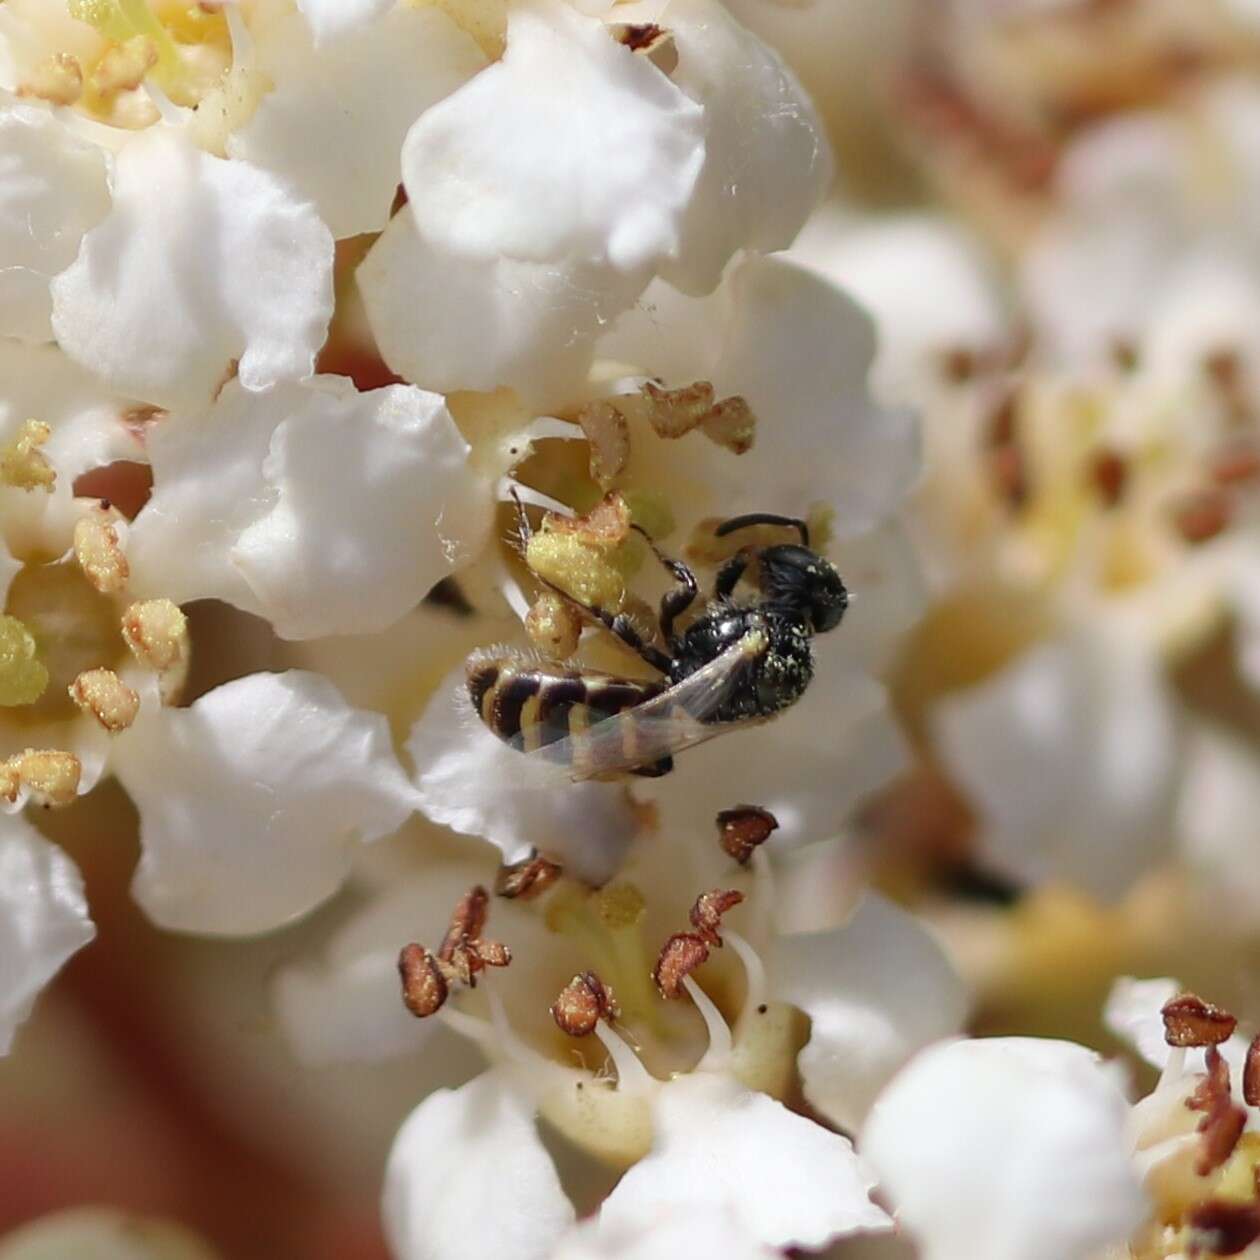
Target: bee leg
(676, 602)
(624, 629)
(729, 574)
(656, 769)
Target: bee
(736, 664)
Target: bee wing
(661, 726)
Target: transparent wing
(661, 726)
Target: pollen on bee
(101, 693)
(22, 464)
(99, 552)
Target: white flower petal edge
(876, 990)
(693, 1232)
(1006, 1149)
(313, 516)
(53, 188)
(201, 263)
(448, 322)
(787, 1180)
(507, 167)
(335, 122)
(767, 163)
(474, 783)
(328, 18)
(43, 919)
(1133, 1010)
(1071, 754)
(468, 1176)
(253, 799)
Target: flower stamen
(582, 1003)
(99, 552)
(101, 693)
(22, 464)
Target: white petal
(1133, 1014)
(787, 1180)
(252, 801)
(53, 188)
(90, 1233)
(335, 122)
(1071, 754)
(374, 504)
(766, 161)
(328, 18)
(474, 783)
(450, 323)
(876, 991)
(694, 1232)
(468, 1176)
(810, 784)
(43, 919)
(1006, 1149)
(200, 262)
(507, 167)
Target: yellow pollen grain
(99, 553)
(22, 464)
(101, 693)
(156, 631)
(57, 79)
(584, 573)
(23, 676)
(51, 776)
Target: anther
(608, 436)
(1251, 1075)
(731, 424)
(1213, 1091)
(156, 631)
(1109, 475)
(679, 957)
(1240, 463)
(50, 775)
(706, 914)
(124, 66)
(1190, 1021)
(57, 79)
(463, 949)
(1220, 1128)
(554, 626)
(527, 879)
(424, 986)
(22, 464)
(1222, 1228)
(98, 551)
(106, 697)
(1201, 517)
(582, 1003)
(742, 830)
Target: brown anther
(1124, 354)
(731, 425)
(679, 957)
(1224, 370)
(1213, 1090)
(57, 79)
(607, 524)
(706, 914)
(1221, 1228)
(1239, 463)
(1190, 1021)
(463, 949)
(1109, 475)
(638, 36)
(424, 987)
(582, 1003)
(607, 434)
(106, 697)
(1010, 475)
(1251, 1074)
(527, 879)
(675, 412)
(742, 830)
(554, 626)
(1220, 1129)
(1201, 517)
(959, 365)
(99, 551)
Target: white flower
(329, 511)
(92, 1233)
(330, 18)
(200, 266)
(1006, 1149)
(697, 1232)
(43, 919)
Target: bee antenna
(763, 518)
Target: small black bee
(737, 663)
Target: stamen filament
(632, 1076)
(754, 973)
(718, 1056)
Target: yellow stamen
(51, 776)
(57, 79)
(124, 66)
(22, 464)
(97, 549)
(156, 631)
(22, 676)
(106, 697)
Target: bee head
(801, 581)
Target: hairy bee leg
(676, 602)
(729, 574)
(624, 629)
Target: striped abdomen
(532, 705)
